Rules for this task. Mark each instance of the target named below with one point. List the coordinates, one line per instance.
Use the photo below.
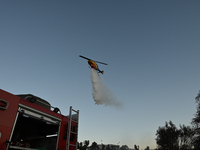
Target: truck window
(33, 132)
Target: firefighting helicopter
(93, 64)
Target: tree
(83, 147)
(80, 145)
(136, 147)
(124, 147)
(86, 143)
(103, 146)
(147, 148)
(196, 119)
(196, 124)
(168, 137)
(108, 147)
(94, 146)
(185, 137)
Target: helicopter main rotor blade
(91, 59)
(101, 62)
(84, 57)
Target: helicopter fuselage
(93, 64)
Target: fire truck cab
(28, 122)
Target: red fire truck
(28, 122)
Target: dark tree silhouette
(147, 148)
(94, 146)
(80, 145)
(103, 146)
(171, 138)
(168, 137)
(124, 147)
(108, 147)
(86, 143)
(83, 147)
(136, 147)
(196, 124)
(185, 137)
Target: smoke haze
(101, 93)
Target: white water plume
(101, 93)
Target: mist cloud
(101, 93)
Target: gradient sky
(152, 51)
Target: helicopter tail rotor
(102, 72)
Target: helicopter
(93, 64)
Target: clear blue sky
(152, 49)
